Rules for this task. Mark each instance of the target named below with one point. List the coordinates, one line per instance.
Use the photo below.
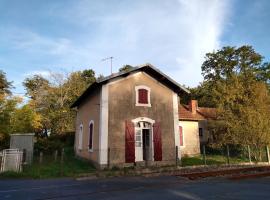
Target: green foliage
(48, 145)
(25, 120)
(233, 84)
(51, 168)
(52, 98)
(35, 85)
(5, 85)
(126, 68)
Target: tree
(7, 106)
(233, 78)
(264, 74)
(5, 85)
(35, 85)
(25, 120)
(126, 68)
(52, 98)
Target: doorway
(143, 141)
(146, 144)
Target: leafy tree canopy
(5, 85)
(235, 82)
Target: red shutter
(91, 136)
(130, 143)
(181, 135)
(143, 96)
(157, 142)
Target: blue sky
(174, 35)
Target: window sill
(142, 104)
(90, 150)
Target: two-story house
(130, 117)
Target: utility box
(25, 143)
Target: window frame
(183, 137)
(200, 132)
(137, 88)
(91, 122)
(80, 137)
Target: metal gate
(11, 160)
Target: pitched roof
(202, 113)
(147, 68)
(185, 114)
(208, 113)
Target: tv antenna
(109, 58)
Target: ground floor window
(80, 136)
(200, 132)
(181, 136)
(91, 132)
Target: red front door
(130, 143)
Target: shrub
(48, 145)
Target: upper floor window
(143, 96)
(91, 132)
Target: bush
(48, 145)
(4, 141)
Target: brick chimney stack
(193, 105)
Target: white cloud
(173, 35)
(30, 41)
(43, 73)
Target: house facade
(131, 117)
(193, 122)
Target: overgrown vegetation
(51, 168)
(237, 82)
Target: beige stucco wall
(122, 107)
(191, 138)
(87, 111)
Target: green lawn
(211, 160)
(49, 168)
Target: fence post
(108, 158)
(204, 155)
(62, 162)
(228, 154)
(249, 154)
(267, 154)
(55, 155)
(176, 156)
(40, 157)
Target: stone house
(131, 117)
(193, 123)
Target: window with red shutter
(91, 129)
(181, 136)
(143, 96)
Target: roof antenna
(109, 58)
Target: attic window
(142, 96)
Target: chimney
(193, 105)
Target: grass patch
(50, 168)
(211, 160)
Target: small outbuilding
(24, 142)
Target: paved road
(155, 188)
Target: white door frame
(138, 150)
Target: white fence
(11, 160)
